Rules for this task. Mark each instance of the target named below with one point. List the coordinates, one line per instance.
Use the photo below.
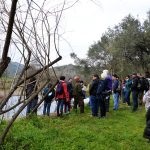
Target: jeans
(67, 106)
(60, 107)
(135, 100)
(47, 106)
(127, 97)
(32, 105)
(116, 100)
(94, 105)
(123, 95)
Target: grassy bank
(121, 130)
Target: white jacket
(146, 99)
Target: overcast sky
(86, 22)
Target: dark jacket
(115, 86)
(31, 87)
(70, 89)
(134, 86)
(93, 87)
(49, 96)
(77, 91)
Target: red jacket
(65, 94)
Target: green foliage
(121, 130)
(122, 48)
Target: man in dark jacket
(31, 87)
(93, 97)
(101, 95)
(134, 89)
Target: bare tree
(31, 29)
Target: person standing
(146, 100)
(70, 91)
(134, 89)
(48, 99)
(78, 95)
(31, 87)
(108, 81)
(61, 95)
(93, 97)
(128, 83)
(115, 91)
(102, 93)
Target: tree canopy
(122, 49)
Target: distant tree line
(123, 49)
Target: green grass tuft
(121, 130)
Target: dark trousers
(32, 105)
(107, 101)
(140, 97)
(67, 106)
(135, 99)
(46, 109)
(146, 133)
(78, 101)
(60, 104)
(101, 103)
(127, 97)
(94, 105)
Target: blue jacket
(115, 86)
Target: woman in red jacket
(62, 95)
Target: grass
(121, 130)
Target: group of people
(100, 90)
(63, 94)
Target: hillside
(67, 70)
(12, 68)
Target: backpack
(50, 95)
(101, 89)
(59, 89)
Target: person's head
(114, 77)
(104, 74)
(95, 76)
(49, 85)
(62, 78)
(127, 77)
(134, 75)
(70, 80)
(77, 78)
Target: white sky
(86, 22)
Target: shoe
(102, 117)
